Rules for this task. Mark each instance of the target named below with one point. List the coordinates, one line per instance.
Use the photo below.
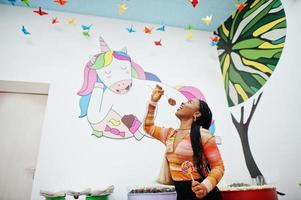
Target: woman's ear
(197, 114)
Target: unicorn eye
(124, 67)
(108, 71)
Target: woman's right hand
(157, 93)
(199, 189)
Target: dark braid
(203, 121)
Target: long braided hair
(203, 121)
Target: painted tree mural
(250, 46)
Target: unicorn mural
(115, 93)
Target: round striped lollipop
(187, 168)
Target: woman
(190, 142)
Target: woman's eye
(108, 72)
(124, 67)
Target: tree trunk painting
(243, 129)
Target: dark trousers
(184, 192)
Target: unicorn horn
(103, 45)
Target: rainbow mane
(194, 93)
(104, 60)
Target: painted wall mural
(251, 43)
(250, 46)
(115, 93)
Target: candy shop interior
(68, 130)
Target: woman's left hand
(199, 189)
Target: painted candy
(114, 131)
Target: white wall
(70, 158)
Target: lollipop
(172, 102)
(187, 168)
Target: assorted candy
(156, 189)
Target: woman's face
(188, 109)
